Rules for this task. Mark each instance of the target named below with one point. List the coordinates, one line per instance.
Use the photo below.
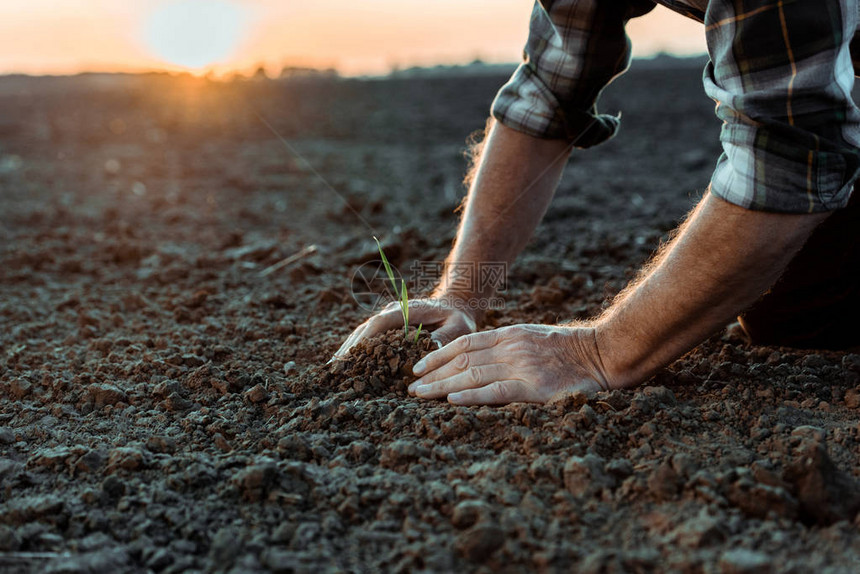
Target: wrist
(473, 305)
(584, 355)
(624, 364)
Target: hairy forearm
(723, 258)
(516, 176)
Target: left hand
(520, 363)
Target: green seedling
(399, 294)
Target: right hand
(441, 315)
(517, 363)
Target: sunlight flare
(195, 33)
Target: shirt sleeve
(782, 74)
(575, 48)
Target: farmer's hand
(528, 363)
(442, 315)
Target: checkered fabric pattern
(781, 73)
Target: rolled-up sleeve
(781, 74)
(575, 48)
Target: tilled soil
(174, 277)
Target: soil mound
(382, 363)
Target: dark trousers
(816, 303)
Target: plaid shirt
(781, 73)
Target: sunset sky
(356, 37)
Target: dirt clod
(826, 493)
(479, 543)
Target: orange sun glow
(195, 33)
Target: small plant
(400, 295)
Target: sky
(224, 36)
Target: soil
(379, 365)
(165, 399)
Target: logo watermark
(372, 290)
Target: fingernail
(419, 367)
(411, 388)
(455, 398)
(438, 343)
(422, 390)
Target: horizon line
(286, 71)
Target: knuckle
(502, 392)
(462, 361)
(519, 331)
(473, 375)
(464, 344)
(502, 337)
(507, 334)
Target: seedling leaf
(388, 269)
(404, 307)
(400, 295)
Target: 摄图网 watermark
(371, 287)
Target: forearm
(722, 260)
(516, 176)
